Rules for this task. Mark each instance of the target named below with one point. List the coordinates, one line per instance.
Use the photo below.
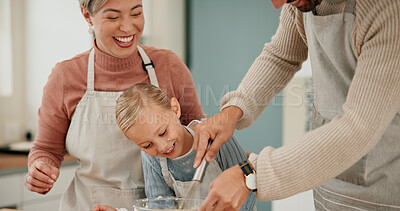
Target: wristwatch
(250, 175)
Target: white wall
(6, 49)
(45, 32)
(165, 25)
(55, 30)
(12, 106)
(296, 114)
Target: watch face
(251, 182)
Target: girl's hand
(41, 177)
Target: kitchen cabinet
(10, 190)
(13, 193)
(51, 201)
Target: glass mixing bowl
(167, 203)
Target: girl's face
(159, 133)
(118, 26)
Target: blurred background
(218, 40)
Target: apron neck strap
(90, 71)
(190, 130)
(148, 66)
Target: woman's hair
(134, 100)
(92, 6)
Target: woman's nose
(126, 25)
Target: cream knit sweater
(372, 101)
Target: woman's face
(118, 26)
(159, 133)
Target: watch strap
(246, 168)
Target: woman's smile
(124, 41)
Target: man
(352, 157)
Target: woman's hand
(218, 128)
(41, 177)
(227, 192)
(104, 208)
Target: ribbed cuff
(47, 160)
(253, 160)
(234, 99)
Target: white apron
(110, 167)
(370, 184)
(181, 188)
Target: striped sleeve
(230, 154)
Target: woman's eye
(137, 14)
(163, 133)
(112, 18)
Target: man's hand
(41, 177)
(227, 192)
(218, 128)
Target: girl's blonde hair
(134, 100)
(92, 6)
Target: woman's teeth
(124, 39)
(170, 149)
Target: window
(6, 82)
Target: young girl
(151, 120)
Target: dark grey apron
(373, 182)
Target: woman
(77, 111)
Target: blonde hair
(134, 100)
(92, 6)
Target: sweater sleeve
(231, 154)
(49, 145)
(272, 70)
(372, 102)
(185, 89)
(155, 184)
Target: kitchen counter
(17, 163)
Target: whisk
(197, 178)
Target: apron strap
(190, 130)
(148, 66)
(165, 172)
(350, 5)
(90, 72)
